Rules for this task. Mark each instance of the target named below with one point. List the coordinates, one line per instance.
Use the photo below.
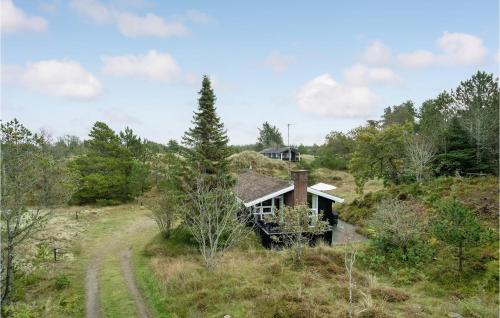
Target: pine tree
(457, 226)
(207, 142)
(133, 143)
(460, 155)
(107, 173)
(269, 136)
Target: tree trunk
(460, 257)
(9, 272)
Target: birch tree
(212, 215)
(420, 154)
(350, 253)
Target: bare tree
(213, 216)
(32, 183)
(420, 153)
(298, 225)
(398, 223)
(350, 252)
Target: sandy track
(116, 248)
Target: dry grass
(344, 181)
(265, 283)
(259, 164)
(307, 158)
(168, 267)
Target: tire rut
(93, 304)
(142, 309)
(93, 308)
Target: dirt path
(116, 246)
(93, 306)
(344, 230)
(127, 272)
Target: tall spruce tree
(207, 142)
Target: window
(267, 207)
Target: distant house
(264, 195)
(282, 153)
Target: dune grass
(344, 181)
(255, 282)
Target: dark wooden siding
(288, 198)
(325, 205)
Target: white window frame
(314, 209)
(258, 209)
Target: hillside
(479, 194)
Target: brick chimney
(299, 178)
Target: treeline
(108, 168)
(455, 133)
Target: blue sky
(323, 66)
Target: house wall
(325, 205)
(288, 198)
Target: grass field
(254, 282)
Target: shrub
(392, 295)
(332, 162)
(61, 282)
(399, 230)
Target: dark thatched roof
(251, 186)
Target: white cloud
(377, 54)
(153, 65)
(64, 78)
(417, 59)
(324, 96)
(278, 62)
(360, 74)
(15, 20)
(462, 49)
(150, 25)
(456, 49)
(92, 9)
(129, 24)
(199, 17)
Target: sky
(320, 65)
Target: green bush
(332, 162)
(61, 282)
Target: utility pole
(289, 149)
